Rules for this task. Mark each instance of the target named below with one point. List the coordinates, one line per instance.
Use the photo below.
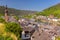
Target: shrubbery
(57, 38)
(5, 38)
(9, 28)
(2, 20)
(14, 28)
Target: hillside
(16, 11)
(55, 10)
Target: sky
(34, 5)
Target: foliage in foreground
(3, 34)
(5, 38)
(14, 28)
(57, 38)
(2, 20)
(10, 30)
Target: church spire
(6, 13)
(6, 9)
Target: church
(7, 17)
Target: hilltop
(16, 11)
(55, 10)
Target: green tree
(14, 28)
(16, 17)
(2, 20)
(5, 38)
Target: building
(27, 33)
(6, 14)
(9, 18)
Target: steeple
(6, 9)
(6, 14)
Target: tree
(16, 17)
(2, 20)
(14, 28)
(5, 38)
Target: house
(29, 27)
(12, 19)
(27, 33)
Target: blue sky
(35, 5)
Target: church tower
(6, 14)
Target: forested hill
(55, 10)
(16, 11)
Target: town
(38, 28)
(29, 20)
(47, 28)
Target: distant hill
(55, 10)
(16, 11)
